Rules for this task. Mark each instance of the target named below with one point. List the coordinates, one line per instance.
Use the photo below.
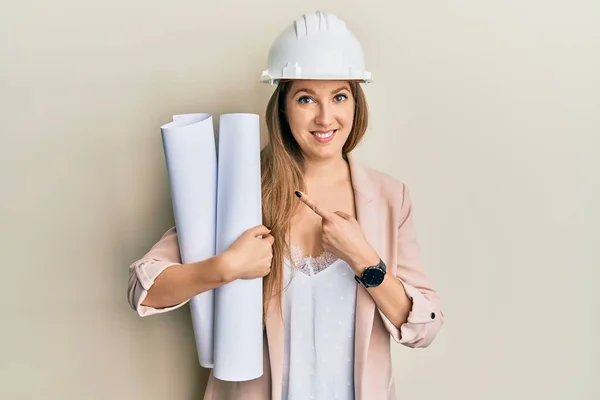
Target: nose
(324, 115)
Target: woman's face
(320, 115)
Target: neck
(326, 171)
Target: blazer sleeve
(144, 271)
(425, 318)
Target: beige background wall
(489, 110)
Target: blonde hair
(281, 171)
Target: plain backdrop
(488, 110)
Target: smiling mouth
(325, 134)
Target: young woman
(337, 248)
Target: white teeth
(324, 134)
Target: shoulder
(385, 186)
(389, 193)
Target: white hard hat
(317, 45)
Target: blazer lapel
(366, 215)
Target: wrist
(225, 267)
(363, 261)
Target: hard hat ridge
(317, 45)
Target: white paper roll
(191, 158)
(238, 304)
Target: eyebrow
(313, 93)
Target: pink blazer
(383, 210)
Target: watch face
(373, 276)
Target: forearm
(390, 296)
(181, 282)
(392, 300)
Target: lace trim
(308, 264)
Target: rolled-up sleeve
(143, 273)
(425, 318)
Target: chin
(324, 153)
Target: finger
(326, 214)
(259, 230)
(342, 214)
(269, 238)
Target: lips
(324, 136)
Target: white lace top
(319, 306)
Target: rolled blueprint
(238, 304)
(191, 158)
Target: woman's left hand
(343, 237)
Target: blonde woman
(340, 260)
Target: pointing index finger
(326, 214)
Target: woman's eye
(304, 100)
(340, 97)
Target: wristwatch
(372, 276)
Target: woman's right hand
(250, 255)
